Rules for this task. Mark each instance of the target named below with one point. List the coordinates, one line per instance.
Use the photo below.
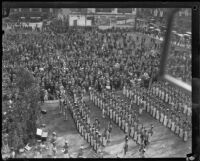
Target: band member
(177, 127)
(154, 111)
(173, 125)
(165, 117)
(104, 137)
(158, 113)
(126, 126)
(169, 124)
(161, 115)
(151, 108)
(132, 130)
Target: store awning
(188, 33)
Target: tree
(25, 109)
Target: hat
(66, 142)
(54, 133)
(39, 141)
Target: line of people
(90, 132)
(124, 113)
(162, 107)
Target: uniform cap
(54, 133)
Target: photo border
(195, 6)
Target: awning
(188, 33)
(181, 35)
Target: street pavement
(163, 142)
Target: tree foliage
(25, 110)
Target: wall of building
(81, 20)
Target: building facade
(32, 13)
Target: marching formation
(116, 68)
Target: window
(124, 10)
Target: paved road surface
(164, 143)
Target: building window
(25, 9)
(36, 9)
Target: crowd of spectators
(87, 56)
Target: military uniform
(166, 118)
(104, 140)
(173, 125)
(132, 130)
(126, 126)
(157, 114)
(169, 124)
(185, 133)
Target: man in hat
(66, 149)
(54, 138)
(65, 110)
(126, 147)
(12, 153)
(151, 130)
